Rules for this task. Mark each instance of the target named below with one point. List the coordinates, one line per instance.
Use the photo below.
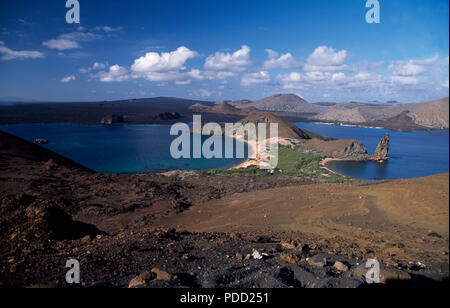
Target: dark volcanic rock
(112, 119)
(382, 151)
(167, 116)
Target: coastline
(255, 161)
(249, 161)
(327, 160)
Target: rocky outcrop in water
(382, 152)
(341, 149)
(112, 119)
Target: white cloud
(157, 67)
(327, 80)
(166, 61)
(71, 40)
(116, 73)
(224, 75)
(61, 44)
(108, 29)
(166, 66)
(202, 93)
(95, 66)
(68, 79)
(405, 80)
(9, 54)
(209, 75)
(317, 76)
(338, 77)
(325, 58)
(182, 83)
(255, 78)
(285, 61)
(411, 67)
(238, 61)
(2, 43)
(80, 36)
(292, 81)
(98, 65)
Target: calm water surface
(116, 149)
(146, 149)
(413, 154)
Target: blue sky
(322, 50)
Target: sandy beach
(328, 160)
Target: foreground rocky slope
(163, 231)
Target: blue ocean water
(146, 149)
(117, 149)
(413, 154)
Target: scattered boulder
(112, 119)
(386, 274)
(382, 152)
(290, 258)
(161, 275)
(434, 234)
(340, 266)
(136, 282)
(318, 261)
(288, 245)
(142, 279)
(234, 236)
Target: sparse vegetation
(291, 162)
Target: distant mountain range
(282, 102)
(426, 115)
(432, 114)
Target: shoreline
(327, 160)
(249, 161)
(255, 161)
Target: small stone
(318, 261)
(386, 274)
(138, 281)
(434, 234)
(240, 256)
(256, 255)
(287, 245)
(340, 266)
(147, 276)
(292, 259)
(161, 275)
(86, 239)
(248, 256)
(234, 236)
